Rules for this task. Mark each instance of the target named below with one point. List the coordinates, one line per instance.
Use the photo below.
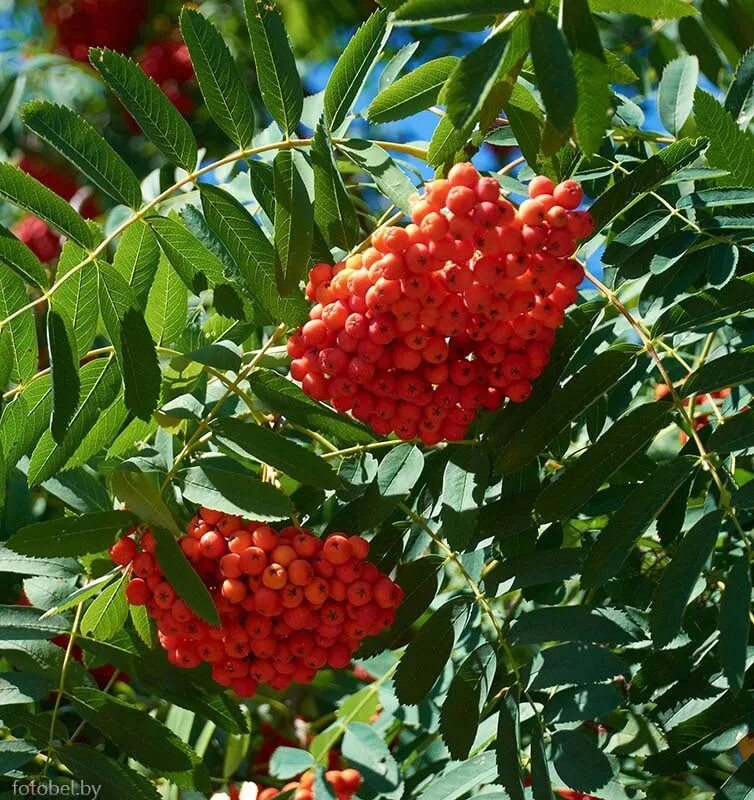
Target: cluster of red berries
(345, 784)
(168, 64)
(449, 315)
(81, 24)
(289, 603)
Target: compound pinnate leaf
(136, 259)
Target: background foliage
(578, 575)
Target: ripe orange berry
(337, 549)
(275, 576)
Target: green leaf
(740, 88)
(736, 433)
(581, 479)
(167, 305)
(294, 220)
(248, 442)
(71, 536)
(508, 746)
(727, 371)
(286, 398)
(18, 339)
(412, 93)
(577, 663)
(136, 259)
(582, 703)
(84, 147)
(113, 779)
(195, 264)
(358, 707)
(677, 581)
(82, 594)
(730, 148)
(539, 567)
(133, 343)
(219, 78)
(143, 499)
(252, 253)
(218, 487)
(459, 716)
(76, 297)
(735, 606)
(446, 143)
(579, 761)
(107, 612)
(278, 78)
(464, 483)
(28, 193)
(26, 622)
(642, 506)
(740, 785)
(46, 567)
(18, 687)
(16, 256)
(288, 762)
(526, 121)
(554, 70)
(707, 308)
(64, 369)
(24, 420)
(366, 751)
(573, 624)
(428, 653)
(565, 404)
(183, 577)
(353, 67)
(459, 779)
(14, 753)
(153, 745)
(675, 98)
(645, 178)
(651, 9)
(101, 434)
(334, 211)
(472, 80)
(591, 72)
(444, 12)
(99, 387)
(155, 114)
(390, 179)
